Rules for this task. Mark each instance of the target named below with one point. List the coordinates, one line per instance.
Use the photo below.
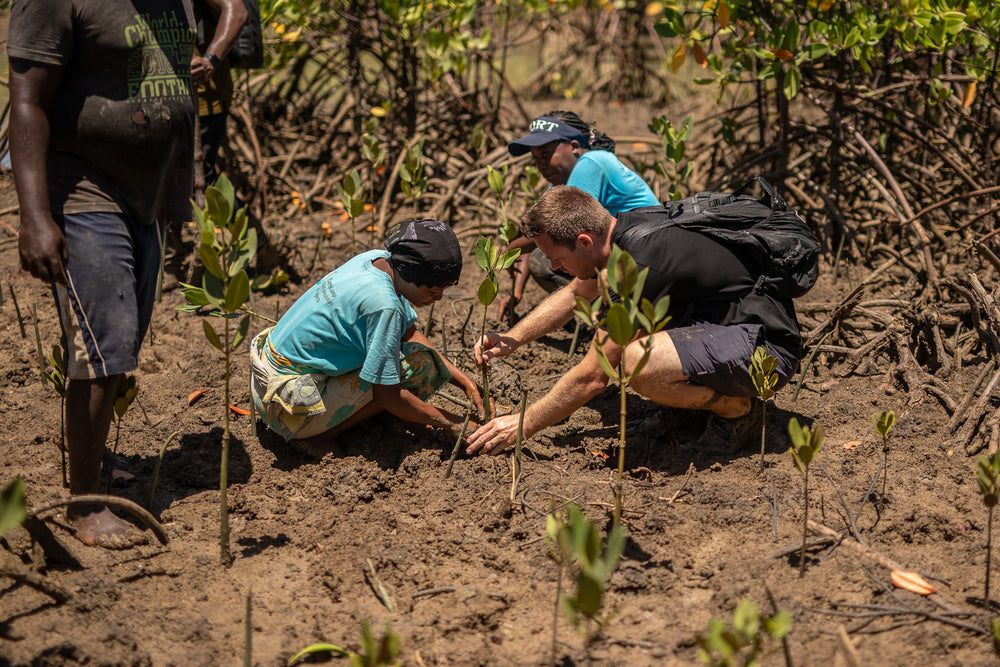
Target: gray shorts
(718, 357)
(107, 303)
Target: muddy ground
(313, 540)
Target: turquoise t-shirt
(602, 175)
(351, 319)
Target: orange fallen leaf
(699, 55)
(852, 444)
(783, 54)
(969, 95)
(239, 411)
(195, 395)
(600, 454)
(911, 581)
(345, 216)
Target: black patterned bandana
(425, 253)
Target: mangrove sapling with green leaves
(224, 292)
(381, 652)
(806, 444)
(125, 393)
(673, 142)
(373, 150)
(988, 476)
(411, 173)
(492, 262)
(625, 319)
(765, 379)
(352, 197)
(576, 545)
(55, 376)
(883, 423)
(750, 640)
(507, 230)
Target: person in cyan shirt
(568, 151)
(349, 347)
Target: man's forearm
(550, 314)
(572, 391)
(28, 150)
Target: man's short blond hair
(565, 212)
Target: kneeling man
(699, 362)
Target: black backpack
(763, 229)
(248, 51)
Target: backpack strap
(771, 198)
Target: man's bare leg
(662, 380)
(89, 406)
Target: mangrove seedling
(749, 641)
(806, 444)
(351, 195)
(629, 316)
(374, 653)
(883, 423)
(228, 245)
(411, 173)
(55, 375)
(988, 476)
(373, 150)
(576, 545)
(125, 394)
(507, 230)
(762, 372)
(492, 262)
(673, 142)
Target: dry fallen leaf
(239, 411)
(852, 444)
(600, 454)
(911, 581)
(195, 395)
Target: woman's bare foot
(317, 446)
(97, 526)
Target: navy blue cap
(544, 130)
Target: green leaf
(602, 359)
(318, 648)
(352, 183)
(13, 509)
(495, 179)
(619, 324)
(219, 207)
(792, 83)
(508, 258)
(779, 625)
(210, 334)
(211, 261)
(589, 594)
(195, 295)
(482, 252)
(488, 290)
(357, 208)
(241, 331)
(237, 292)
(215, 290)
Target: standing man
(102, 144)
(718, 318)
(219, 23)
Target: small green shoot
(228, 245)
(747, 642)
(576, 544)
(55, 376)
(765, 379)
(411, 173)
(673, 142)
(806, 444)
(125, 394)
(627, 317)
(373, 150)
(492, 262)
(883, 423)
(374, 653)
(352, 196)
(13, 509)
(988, 476)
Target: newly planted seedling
(750, 640)
(673, 142)
(629, 316)
(227, 247)
(492, 262)
(806, 444)
(988, 476)
(762, 372)
(373, 150)
(576, 545)
(380, 652)
(55, 375)
(351, 195)
(883, 423)
(411, 173)
(125, 394)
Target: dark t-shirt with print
(706, 282)
(122, 120)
